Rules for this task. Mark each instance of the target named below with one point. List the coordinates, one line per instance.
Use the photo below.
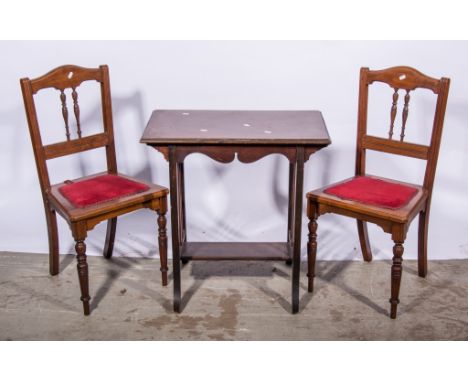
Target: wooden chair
(390, 204)
(87, 201)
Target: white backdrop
(234, 201)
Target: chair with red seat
(388, 203)
(87, 201)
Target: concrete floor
(229, 301)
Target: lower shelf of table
(236, 251)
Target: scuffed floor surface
(229, 301)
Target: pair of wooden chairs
(87, 201)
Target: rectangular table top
(231, 127)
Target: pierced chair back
(69, 77)
(403, 80)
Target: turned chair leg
(82, 267)
(53, 241)
(422, 243)
(162, 239)
(311, 252)
(110, 237)
(396, 277)
(364, 240)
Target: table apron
(244, 153)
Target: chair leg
(53, 241)
(110, 237)
(82, 267)
(311, 252)
(396, 277)
(364, 240)
(162, 239)
(422, 243)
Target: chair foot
(53, 271)
(86, 310)
(164, 275)
(184, 260)
(82, 268)
(177, 303)
(393, 309)
(288, 262)
(53, 264)
(396, 277)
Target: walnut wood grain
(228, 153)
(403, 77)
(235, 127)
(66, 76)
(412, 150)
(74, 146)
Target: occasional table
(223, 136)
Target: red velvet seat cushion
(100, 189)
(373, 191)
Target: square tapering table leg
(297, 226)
(174, 195)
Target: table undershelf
(236, 251)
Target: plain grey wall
(235, 201)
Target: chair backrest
(62, 78)
(405, 79)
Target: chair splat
(76, 109)
(393, 112)
(63, 99)
(405, 115)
